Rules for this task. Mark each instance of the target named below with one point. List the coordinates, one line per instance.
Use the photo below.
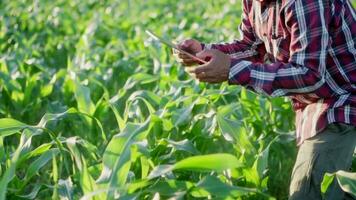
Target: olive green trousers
(329, 151)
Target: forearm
(280, 79)
(247, 50)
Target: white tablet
(172, 45)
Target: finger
(188, 64)
(188, 58)
(205, 54)
(181, 45)
(184, 60)
(187, 43)
(184, 56)
(202, 68)
(201, 75)
(175, 51)
(205, 75)
(209, 80)
(190, 74)
(193, 75)
(189, 61)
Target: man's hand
(216, 70)
(192, 46)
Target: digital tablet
(172, 45)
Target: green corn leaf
(182, 116)
(114, 149)
(33, 193)
(34, 167)
(40, 150)
(122, 163)
(160, 170)
(116, 159)
(144, 167)
(54, 117)
(183, 145)
(217, 162)
(261, 163)
(346, 180)
(9, 174)
(139, 78)
(168, 188)
(30, 86)
(10, 85)
(10, 126)
(233, 129)
(87, 182)
(211, 162)
(150, 99)
(82, 95)
(58, 116)
(55, 175)
(211, 185)
(327, 180)
(120, 121)
(65, 189)
(2, 151)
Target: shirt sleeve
(248, 47)
(305, 72)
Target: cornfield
(92, 108)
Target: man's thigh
(328, 151)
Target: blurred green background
(93, 108)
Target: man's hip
(329, 151)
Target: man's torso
(313, 113)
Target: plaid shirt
(304, 49)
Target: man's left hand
(216, 70)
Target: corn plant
(92, 108)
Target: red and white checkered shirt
(304, 49)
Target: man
(304, 49)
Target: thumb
(187, 43)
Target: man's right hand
(192, 46)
